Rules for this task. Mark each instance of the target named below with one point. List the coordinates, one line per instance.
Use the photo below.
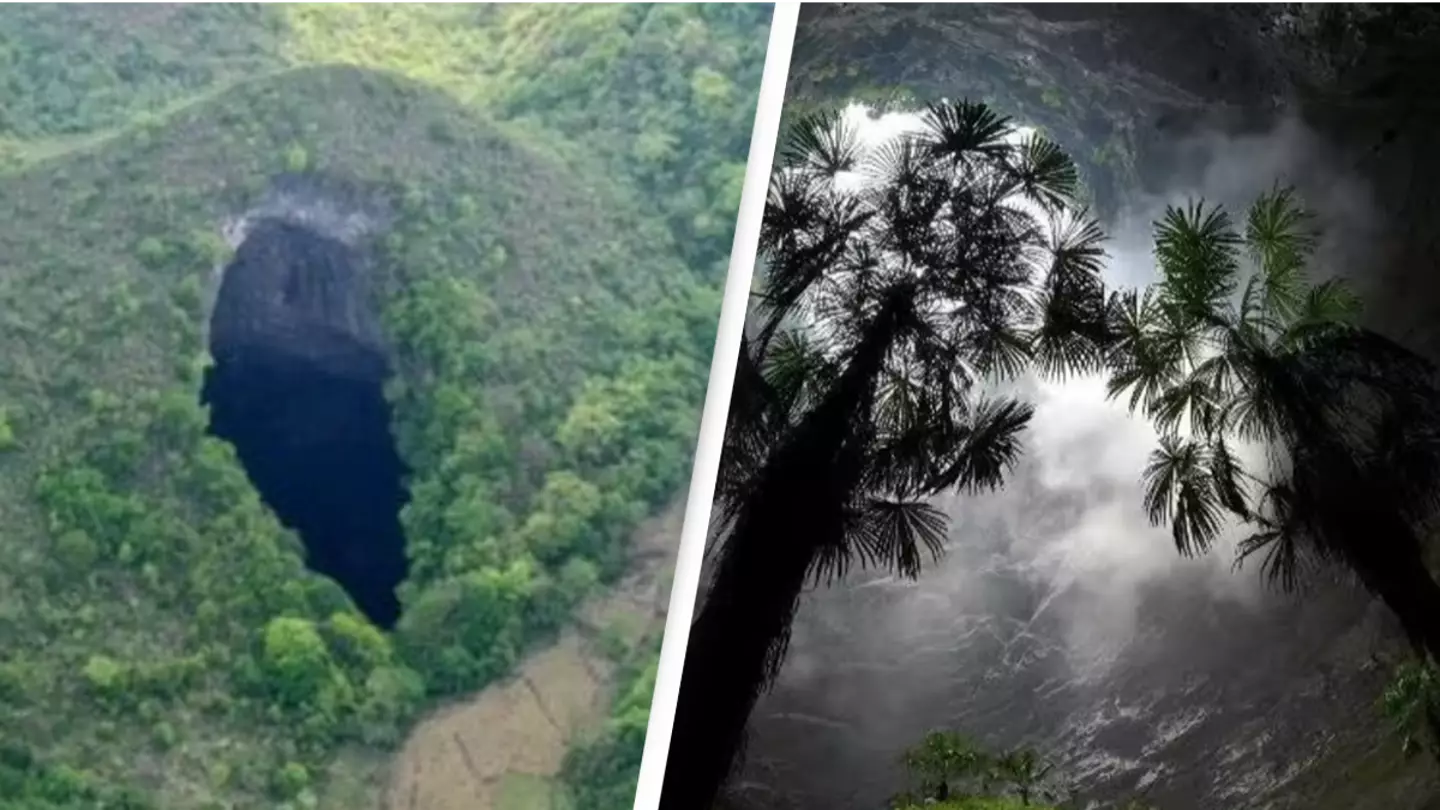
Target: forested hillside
(547, 195)
(672, 91)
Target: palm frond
(1223, 374)
(990, 446)
(1044, 174)
(1147, 350)
(1077, 251)
(1283, 563)
(1180, 334)
(794, 203)
(822, 142)
(1326, 308)
(1229, 478)
(1261, 309)
(796, 369)
(1180, 491)
(1074, 330)
(898, 163)
(961, 130)
(820, 237)
(998, 348)
(1191, 403)
(1271, 399)
(1144, 378)
(902, 399)
(1068, 340)
(1129, 318)
(1280, 538)
(1198, 252)
(1280, 238)
(898, 534)
(902, 463)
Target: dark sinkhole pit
(296, 387)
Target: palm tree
(1025, 772)
(1234, 350)
(947, 765)
(861, 391)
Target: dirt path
(501, 749)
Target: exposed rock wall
(1123, 85)
(300, 282)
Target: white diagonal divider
(763, 139)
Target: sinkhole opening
(296, 386)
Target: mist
(1056, 591)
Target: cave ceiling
(1121, 86)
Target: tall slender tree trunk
(1375, 539)
(1389, 560)
(1411, 593)
(796, 507)
(750, 606)
(1408, 589)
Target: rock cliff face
(1139, 674)
(298, 284)
(1183, 684)
(1123, 86)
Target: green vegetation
(664, 95)
(952, 770)
(1412, 704)
(1222, 361)
(979, 803)
(165, 647)
(604, 770)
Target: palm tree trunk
(795, 508)
(749, 607)
(1373, 537)
(1389, 561)
(1411, 593)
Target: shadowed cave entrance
(296, 387)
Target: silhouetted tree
(946, 765)
(863, 387)
(1342, 421)
(1025, 773)
(950, 767)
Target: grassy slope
(95, 324)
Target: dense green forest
(564, 181)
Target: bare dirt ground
(500, 749)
